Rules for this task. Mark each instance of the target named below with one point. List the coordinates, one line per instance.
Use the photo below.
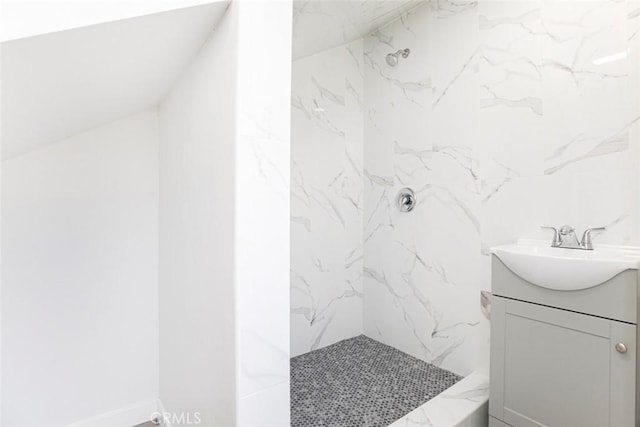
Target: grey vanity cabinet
(553, 366)
(560, 368)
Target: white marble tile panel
(417, 265)
(459, 405)
(327, 198)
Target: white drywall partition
(262, 211)
(197, 137)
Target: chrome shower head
(393, 58)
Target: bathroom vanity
(564, 337)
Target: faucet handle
(557, 241)
(586, 237)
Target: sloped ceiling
(59, 84)
(27, 18)
(322, 24)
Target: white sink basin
(566, 269)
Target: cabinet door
(556, 368)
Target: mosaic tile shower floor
(361, 382)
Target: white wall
(79, 277)
(327, 200)
(197, 298)
(262, 211)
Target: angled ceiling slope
(27, 18)
(323, 24)
(60, 84)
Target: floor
(361, 382)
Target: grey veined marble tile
(361, 382)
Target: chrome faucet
(565, 237)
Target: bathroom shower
(393, 58)
(363, 286)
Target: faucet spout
(569, 238)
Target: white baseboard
(165, 422)
(128, 416)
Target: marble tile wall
(506, 115)
(326, 198)
(465, 404)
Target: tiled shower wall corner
(498, 120)
(326, 198)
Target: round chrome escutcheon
(406, 200)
